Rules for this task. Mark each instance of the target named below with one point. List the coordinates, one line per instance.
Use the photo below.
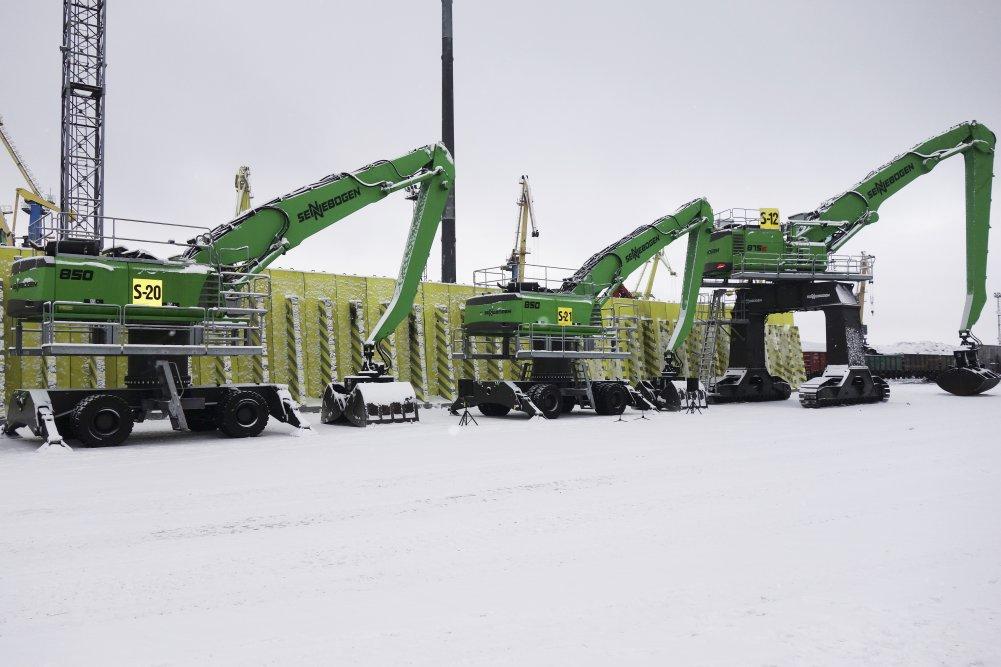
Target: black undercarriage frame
(846, 380)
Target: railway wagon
(885, 365)
(898, 366)
(814, 363)
(990, 356)
(927, 366)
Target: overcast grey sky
(619, 112)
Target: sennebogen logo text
(634, 253)
(880, 187)
(318, 209)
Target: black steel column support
(81, 186)
(747, 334)
(845, 341)
(448, 137)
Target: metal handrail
(804, 263)
(54, 227)
(214, 332)
(742, 217)
(540, 340)
(548, 277)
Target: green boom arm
(248, 244)
(607, 270)
(850, 211)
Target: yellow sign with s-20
(147, 292)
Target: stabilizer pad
(663, 394)
(743, 385)
(843, 385)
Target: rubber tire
(493, 409)
(102, 420)
(610, 398)
(201, 421)
(547, 398)
(568, 404)
(242, 414)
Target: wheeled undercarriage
(555, 376)
(157, 382)
(557, 390)
(106, 417)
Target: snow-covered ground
(900, 347)
(917, 347)
(752, 534)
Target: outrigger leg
(33, 408)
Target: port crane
(780, 266)
(74, 298)
(32, 196)
(556, 330)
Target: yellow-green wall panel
(654, 321)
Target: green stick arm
(695, 261)
(858, 207)
(428, 210)
(606, 270)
